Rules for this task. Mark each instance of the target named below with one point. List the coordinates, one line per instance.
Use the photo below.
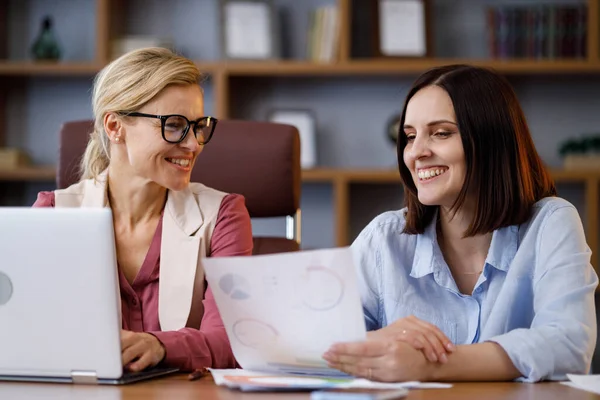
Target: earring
(117, 139)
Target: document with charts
(283, 311)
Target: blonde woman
(149, 128)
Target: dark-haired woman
(485, 275)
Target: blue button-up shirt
(535, 296)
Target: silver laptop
(59, 308)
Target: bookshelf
(48, 69)
(302, 68)
(246, 90)
(408, 67)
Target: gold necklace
(438, 231)
(471, 273)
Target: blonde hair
(127, 84)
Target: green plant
(584, 145)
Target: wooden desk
(179, 388)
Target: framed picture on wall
(403, 28)
(249, 30)
(305, 122)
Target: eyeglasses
(174, 128)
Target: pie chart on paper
(235, 286)
(321, 288)
(254, 333)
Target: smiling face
(434, 152)
(149, 155)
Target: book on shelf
(537, 31)
(323, 34)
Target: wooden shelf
(208, 67)
(39, 174)
(26, 68)
(304, 68)
(561, 175)
(403, 67)
(316, 175)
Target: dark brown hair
(503, 169)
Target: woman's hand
(420, 335)
(140, 350)
(382, 359)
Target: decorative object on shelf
(583, 153)
(12, 158)
(45, 47)
(249, 30)
(125, 44)
(402, 28)
(305, 122)
(392, 128)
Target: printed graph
(235, 286)
(321, 288)
(254, 333)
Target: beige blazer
(189, 218)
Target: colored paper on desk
(283, 311)
(261, 381)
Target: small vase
(46, 46)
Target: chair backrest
(259, 160)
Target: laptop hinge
(88, 377)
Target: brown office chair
(259, 160)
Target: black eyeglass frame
(163, 120)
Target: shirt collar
(503, 249)
(423, 262)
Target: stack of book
(323, 34)
(538, 31)
(13, 158)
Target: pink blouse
(187, 348)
